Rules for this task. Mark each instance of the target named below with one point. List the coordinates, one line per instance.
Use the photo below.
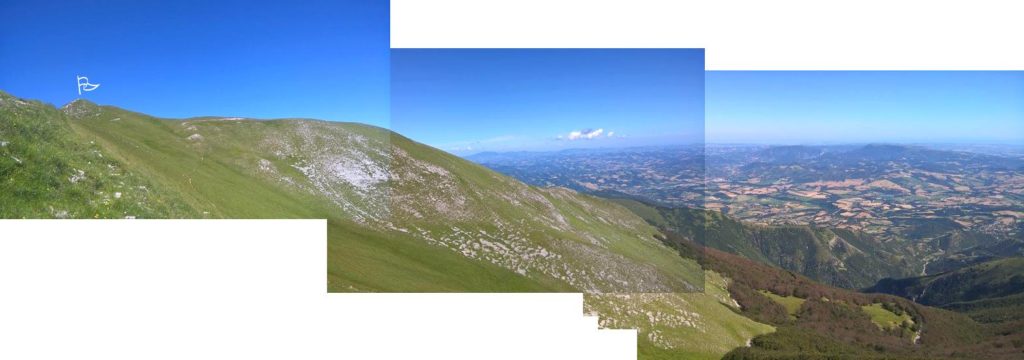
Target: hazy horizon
(706, 145)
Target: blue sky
(821, 107)
(320, 59)
(472, 100)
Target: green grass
(366, 261)
(791, 303)
(886, 319)
(47, 170)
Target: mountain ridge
(401, 216)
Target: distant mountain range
(807, 164)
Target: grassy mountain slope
(48, 171)
(401, 216)
(834, 256)
(369, 178)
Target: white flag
(84, 85)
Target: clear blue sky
(817, 107)
(316, 59)
(472, 100)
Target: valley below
(873, 218)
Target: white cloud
(586, 134)
(610, 133)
